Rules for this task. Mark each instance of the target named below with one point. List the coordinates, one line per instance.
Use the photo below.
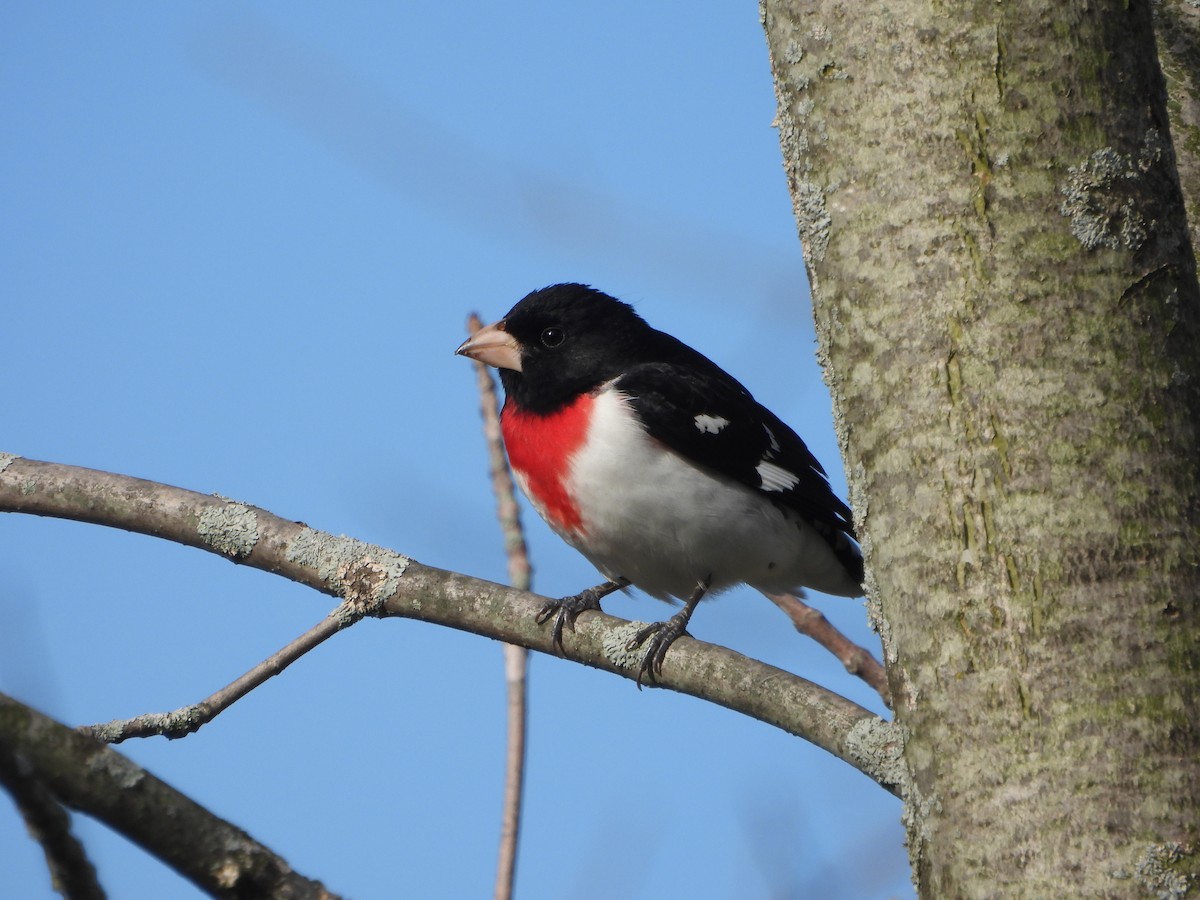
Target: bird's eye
(552, 337)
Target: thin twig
(858, 660)
(516, 668)
(71, 872)
(516, 659)
(188, 719)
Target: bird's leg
(662, 634)
(566, 609)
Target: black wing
(702, 413)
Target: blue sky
(239, 249)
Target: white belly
(630, 496)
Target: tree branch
(187, 719)
(858, 660)
(364, 573)
(86, 775)
(71, 872)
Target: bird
(657, 465)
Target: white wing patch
(776, 478)
(710, 424)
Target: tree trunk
(1007, 310)
(1177, 27)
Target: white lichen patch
(1157, 871)
(362, 573)
(813, 219)
(231, 529)
(1103, 194)
(878, 746)
(6, 460)
(616, 647)
(123, 772)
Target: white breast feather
(664, 523)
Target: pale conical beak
(493, 346)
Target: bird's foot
(658, 638)
(566, 609)
(661, 635)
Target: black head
(562, 341)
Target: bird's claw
(658, 638)
(565, 610)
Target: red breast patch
(540, 450)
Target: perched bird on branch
(656, 464)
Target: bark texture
(1007, 307)
(1177, 27)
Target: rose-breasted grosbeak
(656, 464)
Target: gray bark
(1177, 27)
(1007, 309)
